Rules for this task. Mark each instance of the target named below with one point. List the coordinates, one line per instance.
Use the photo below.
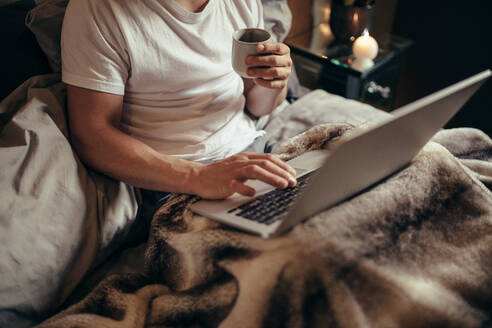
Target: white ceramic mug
(244, 42)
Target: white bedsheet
(57, 219)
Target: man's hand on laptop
(221, 179)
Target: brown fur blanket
(413, 251)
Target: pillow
(277, 17)
(21, 56)
(58, 219)
(27, 3)
(45, 21)
(23, 3)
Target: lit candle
(365, 46)
(365, 49)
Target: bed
(412, 251)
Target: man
(153, 100)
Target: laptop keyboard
(271, 206)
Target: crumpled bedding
(58, 219)
(413, 251)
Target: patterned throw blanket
(413, 251)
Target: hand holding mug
(254, 56)
(271, 67)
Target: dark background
(20, 55)
(453, 40)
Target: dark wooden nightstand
(321, 62)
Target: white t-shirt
(181, 95)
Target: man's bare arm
(270, 73)
(94, 119)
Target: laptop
(328, 178)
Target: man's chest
(177, 57)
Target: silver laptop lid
(373, 154)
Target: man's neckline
(188, 16)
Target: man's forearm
(262, 101)
(129, 160)
(269, 70)
(125, 158)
